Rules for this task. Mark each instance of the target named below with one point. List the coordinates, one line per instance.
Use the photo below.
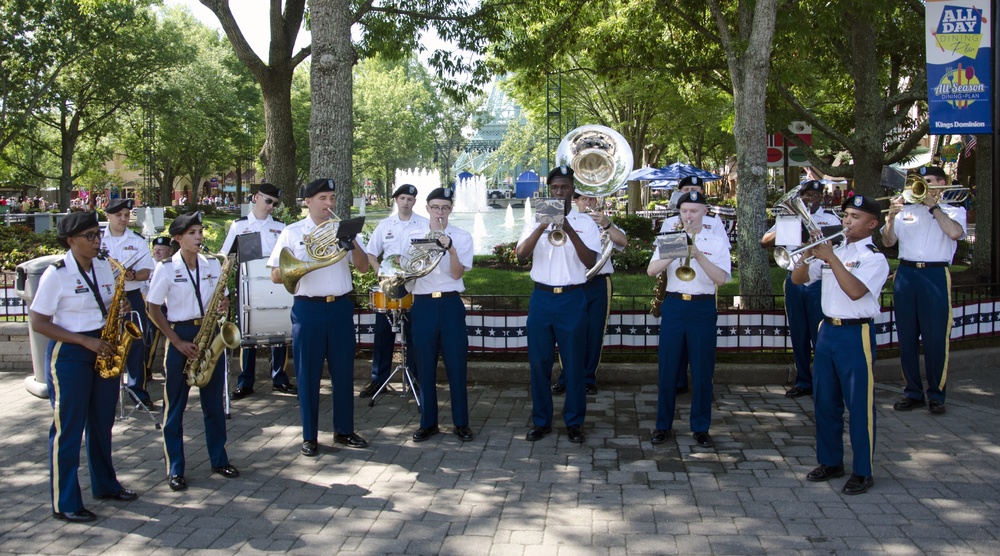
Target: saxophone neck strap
(92, 284)
(196, 280)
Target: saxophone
(211, 345)
(117, 331)
(660, 289)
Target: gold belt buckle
(921, 265)
(331, 298)
(435, 295)
(837, 322)
(686, 296)
(557, 290)
(197, 322)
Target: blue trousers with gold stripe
(842, 377)
(804, 311)
(922, 300)
(135, 364)
(557, 318)
(598, 292)
(324, 333)
(439, 327)
(83, 403)
(175, 398)
(248, 367)
(686, 329)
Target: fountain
(508, 221)
(478, 232)
(148, 226)
(527, 209)
(470, 195)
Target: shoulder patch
(59, 264)
(138, 234)
(242, 219)
(276, 220)
(872, 247)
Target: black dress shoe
(659, 436)
(537, 433)
(825, 473)
(123, 495)
(907, 404)
(310, 448)
(796, 392)
(463, 433)
(591, 389)
(575, 434)
(423, 434)
(681, 390)
(936, 407)
(241, 393)
(558, 388)
(286, 388)
(369, 390)
(81, 516)
(177, 482)
(704, 439)
(352, 440)
(858, 485)
(148, 404)
(227, 471)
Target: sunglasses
(271, 202)
(90, 236)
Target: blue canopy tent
(527, 185)
(675, 172)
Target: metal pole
(995, 239)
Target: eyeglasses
(90, 236)
(271, 202)
(439, 208)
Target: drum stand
(408, 386)
(125, 393)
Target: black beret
(559, 171)
(862, 203)
(405, 189)
(268, 189)
(811, 185)
(118, 205)
(183, 222)
(691, 180)
(441, 193)
(932, 171)
(319, 186)
(692, 197)
(76, 222)
(162, 240)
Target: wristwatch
(932, 209)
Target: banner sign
(959, 77)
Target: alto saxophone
(117, 331)
(660, 290)
(211, 345)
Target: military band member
(690, 318)
(557, 310)
(322, 323)
(70, 308)
(185, 284)
(928, 235)
(259, 221)
(598, 291)
(438, 315)
(852, 278)
(162, 249)
(803, 308)
(710, 223)
(130, 249)
(391, 237)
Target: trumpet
(788, 260)
(685, 272)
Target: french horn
(321, 246)
(397, 273)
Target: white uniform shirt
(439, 279)
(172, 286)
(821, 218)
(717, 251)
(64, 295)
(609, 267)
(269, 229)
(392, 235)
(331, 280)
(920, 236)
(865, 264)
(129, 249)
(559, 266)
(709, 223)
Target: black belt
(557, 289)
(935, 264)
(847, 322)
(437, 295)
(691, 296)
(601, 275)
(318, 298)
(191, 322)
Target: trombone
(788, 260)
(917, 189)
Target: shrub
(636, 227)
(19, 244)
(506, 252)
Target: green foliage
(636, 227)
(19, 244)
(506, 253)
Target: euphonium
(117, 331)
(211, 345)
(321, 246)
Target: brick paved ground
(937, 486)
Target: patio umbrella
(675, 172)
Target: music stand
(406, 378)
(124, 392)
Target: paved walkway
(937, 486)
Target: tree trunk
(278, 152)
(869, 108)
(331, 128)
(982, 262)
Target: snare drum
(382, 303)
(265, 307)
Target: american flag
(970, 143)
